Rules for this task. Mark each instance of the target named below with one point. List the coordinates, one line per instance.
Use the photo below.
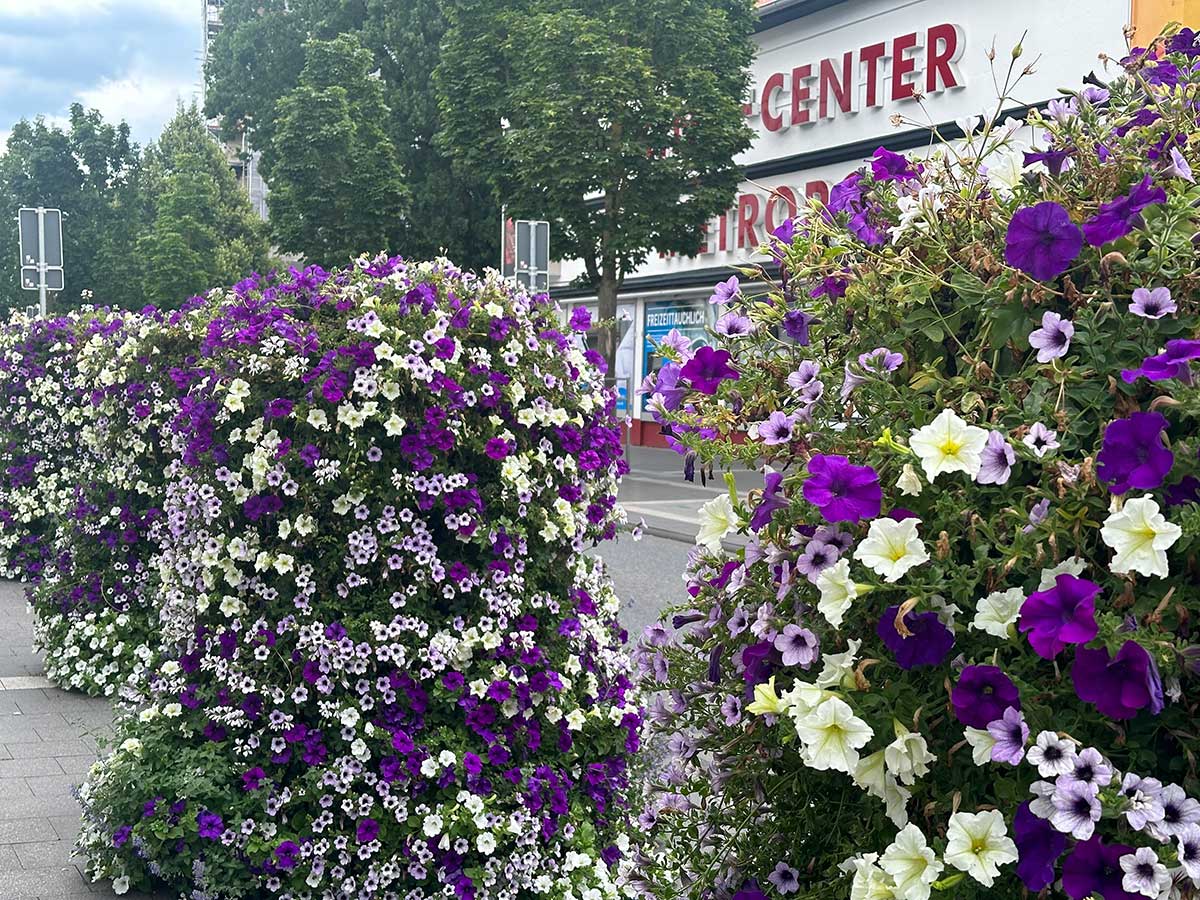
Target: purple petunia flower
(777, 429)
(982, 694)
(772, 500)
(707, 369)
(1037, 515)
(889, 166)
(785, 878)
(121, 835)
(1152, 304)
(1173, 362)
(1038, 847)
(843, 492)
(287, 854)
(1117, 686)
(1186, 490)
(927, 645)
(1065, 614)
(799, 646)
(782, 238)
(816, 558)
(209, 825)
(880, 361)
(1042, 241)
(1041, 440)
(1094, 867)
(1178, 167)
(1134, 454)
(796, 323)
(1076, 808)
(1053, 159)
(997, 458)
(1053, 339)
(1120, 216)
(725, 291)
(733, 325)
(581, 319)
(367, 831)
(1010, 733)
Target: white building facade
(828, 79)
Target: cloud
(130, 59)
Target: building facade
(242, 158)
(829, 79)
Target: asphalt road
(648, 575)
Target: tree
(202, 230)
(257, 60)
(616, 119)
(86, 170)
(338, 189)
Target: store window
(623, 373)
(689, 317)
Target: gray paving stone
(66, 827)
(24, 768)
(27, 831)
(44, 854)
(52, 785)
(29, 806)
(75, 765)
(19, 884)
(35, 749)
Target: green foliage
(559, 103)
(337, 185)
(257, 61)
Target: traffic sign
(39, 231)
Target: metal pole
(41, 214)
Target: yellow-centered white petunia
(948, 444)
(891, 548)
(978, 844)
(832, 734)
(1140, 536)
(912, 864)
(717, 519)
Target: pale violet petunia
(948, 444)
(717, 519)
(911, 862)
(1140, 537)
(998, 611)
(891, 548)
(978, 844)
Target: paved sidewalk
(47, 742)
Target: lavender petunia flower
(1042, 241)
(731, 710)
(733, 325)
(1143, 801)
(777, 429)
(679, 343)
(805, 374)
(1052, 755)
(1178, 167)
(1091, 767)
(816, 558)
(799, 646)
(1180, 812)
(1010, 733)
(1152, 304)
(1053, 339)
(1041, 440)
(1037, 515)
(785, 878)
(997, 458)
(725, 291)
(1134, 454)
(880, 361)
(1076, 808)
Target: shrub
(958, 651)
(398, 673)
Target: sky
(130, 59)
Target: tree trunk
(606, 295)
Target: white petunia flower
(870, 882)
(909, 483)
(891, 548)
(832, 735)
(998, 611)
(912, 864)
(981, 742)
(1144, 873)
(838, 592)
(1052, 755)
(949, 444)
(908, 756)
(1072, 565)
(836, 666)
(978, 844)
(872, 776)
(717, 519)
(1140, 535)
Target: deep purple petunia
(843, 492)
(772, 501)
(1053, 159)
(1135, 454)
(1173, 362)
(121, 835)
(1065, 614)
(846, 194)
(1094, 867)
(889, 166)
(782, 238)
(581, 319)
(707, 369)
(1186, 490)
(1120, 216)
(796, 323)
(1118, 686)
(927, 645)
(209, 825)
(287, 854)
(1038, 847)
(982, 694)
(1042, 241)
(367, 831)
